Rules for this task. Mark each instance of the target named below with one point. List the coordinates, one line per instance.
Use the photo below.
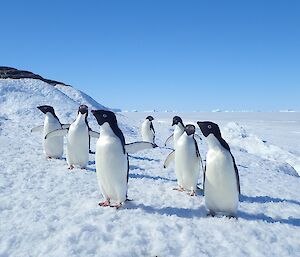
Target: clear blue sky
(176, 55)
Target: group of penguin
(221, 184)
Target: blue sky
(175, 55)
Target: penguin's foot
(211, 214)
(117, 206)
(105, 203)
(49, 157)
(70, 167)
(231, 216)
(180, 189)
(83, 168)
(192, 193)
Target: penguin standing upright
(187, 161)
(112, 165)
(221, 177)
(78, 139)
(53, 147)
(148, 132)
(178, 131)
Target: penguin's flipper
(197, 136)
(94, 134)
(169, 159)
(57, 133)
(37, 129)
(65, 126)
(138, 146)
(169, 139)
(236, 174)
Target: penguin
(148, 132)
(78, 139)
(178, 131)
(112, 164)
(187, 161)
(53, 147)
(221, 176)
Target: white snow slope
(46, 210)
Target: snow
(79, 97)
(46, 210)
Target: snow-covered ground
(46, 210)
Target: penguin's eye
(104, 116)
(209, 126)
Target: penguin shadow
(140, 176)
(134, 167)
(266, 199)
(171, 211)
(262, 217)
(143, 158)
(88, 169)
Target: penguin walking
(178, 131)
(187, 161)
(112, 164)
(78, 139)
(148, 132)
(221, 176)
(53, 147)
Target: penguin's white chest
(220, 189)
(112, 167)
(53, 147)
(78, 144)
(178, 131)
(147, 133)
(187, 164)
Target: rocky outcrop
(12, 73)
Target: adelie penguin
(148, 132)
(112, 165)
(78, 139)
(187, 161)
(53, 147)
(178, 131)
(221, 176)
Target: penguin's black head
(150, 118)
(103, 116)
(176, 120)
(46, 108)
(83, 109)
(189, 129)
(208, 127)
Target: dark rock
(12, 73)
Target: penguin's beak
(173, 123)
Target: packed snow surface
(47, 210)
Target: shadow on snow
(265, 199)
(139, 176)
(262, 217)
